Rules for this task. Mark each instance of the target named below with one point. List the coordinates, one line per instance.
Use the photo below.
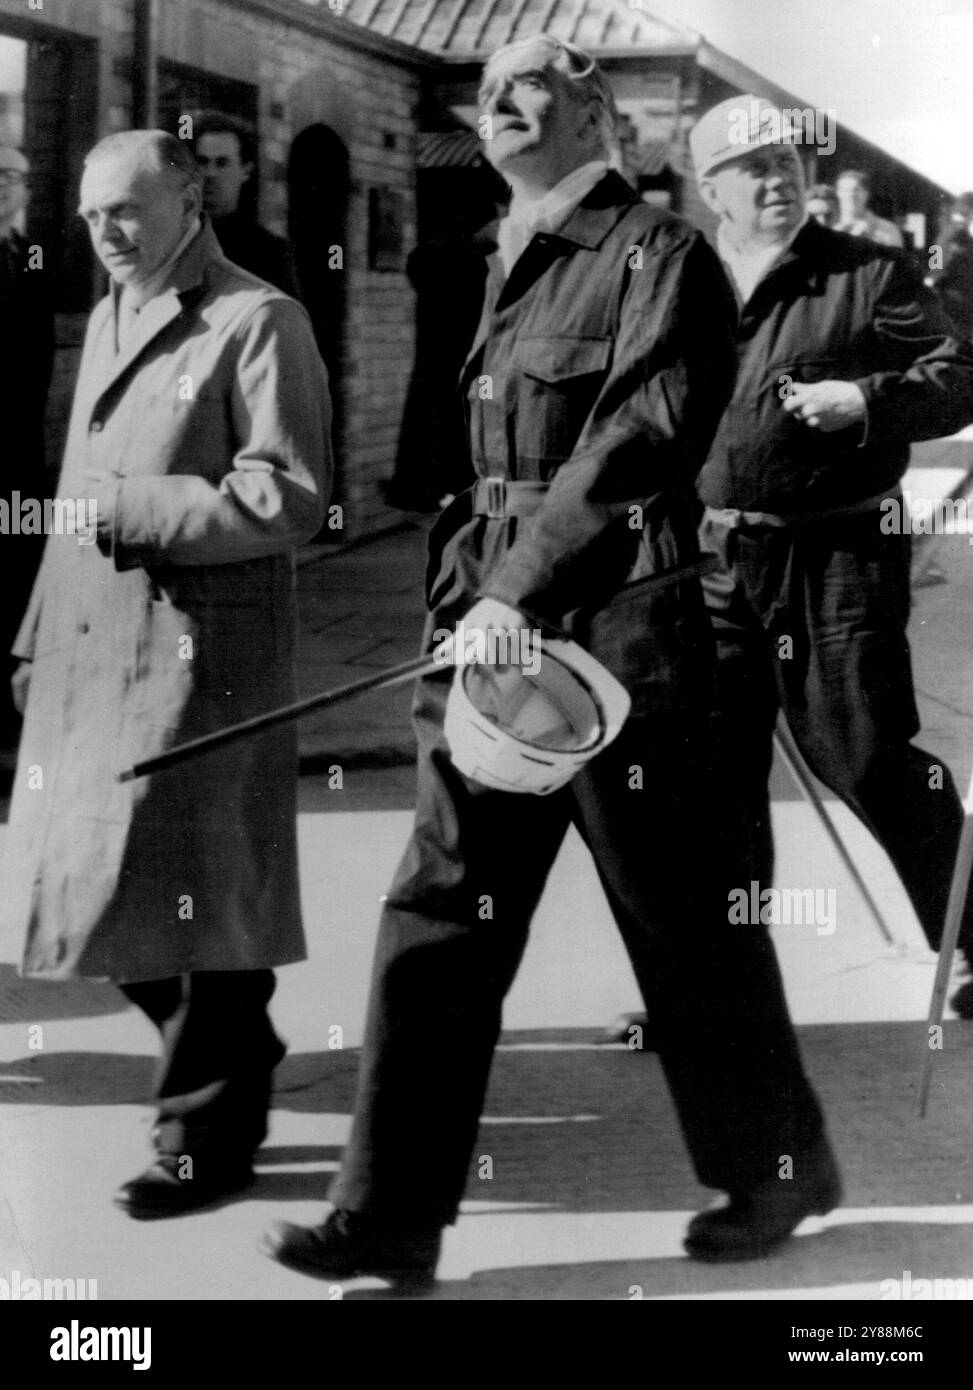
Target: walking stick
(326, 699)
(796, 766)
(395, 675)
(947, 947)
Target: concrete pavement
(590, 1188)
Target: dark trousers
(812, 621)
(455, 926)
(219, 1049)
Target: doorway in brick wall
(317, 195)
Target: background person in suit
(226, 152)
(200, 429)
(856, 218)
(26, 360)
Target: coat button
(84, 628)
(96, 425)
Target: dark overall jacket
(600, 368)
(596, 379)
(835, 308)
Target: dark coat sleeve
(924, 387)
(648, 432)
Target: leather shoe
(962, 1000)
(751, 1224)
(351, 1243)
(634, 1030)
(164, 1190)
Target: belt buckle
(496, 498)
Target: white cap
(736, 126)
(553, 721)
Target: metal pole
(796, 766)
(958, 889)
(326, 699)
(396, 675)
(145, 67)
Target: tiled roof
(474, 28)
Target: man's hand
(490, 613)
(827, 405)
(20, 685)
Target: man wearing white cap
(844, 360)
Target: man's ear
(591, 119)
(248, 170)
(709, 195)
(192, 200)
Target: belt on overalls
(499, 497)
(741, 520)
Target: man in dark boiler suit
(844, 359)
(599, 370)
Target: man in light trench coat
(200, 441)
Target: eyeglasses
(12, 176)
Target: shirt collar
(547, 213)
(748, 268)
(139, 295)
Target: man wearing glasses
(601, 365)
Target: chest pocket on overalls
(558, 380)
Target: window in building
(48, 85)
(190, 91)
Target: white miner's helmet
(530, 731)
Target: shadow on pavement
(577, 1127)
(40, 1001)
(859, 1253)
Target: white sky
(898, 72)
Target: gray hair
(583, 74)
(154, 150)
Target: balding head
(149, 151)
(140, 192)
(546, 108)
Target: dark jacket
(601, 366)
(26, 361)
(836, 307)
(247, 244)
(954, 284)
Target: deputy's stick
(951, 927)
(395, 675)
(326, 699)
(793, 761)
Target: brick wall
(370, 100)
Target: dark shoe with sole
(350, 1243)
(962, 1000)
(165, 1189)
(634, 1030)
(750, 1225)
